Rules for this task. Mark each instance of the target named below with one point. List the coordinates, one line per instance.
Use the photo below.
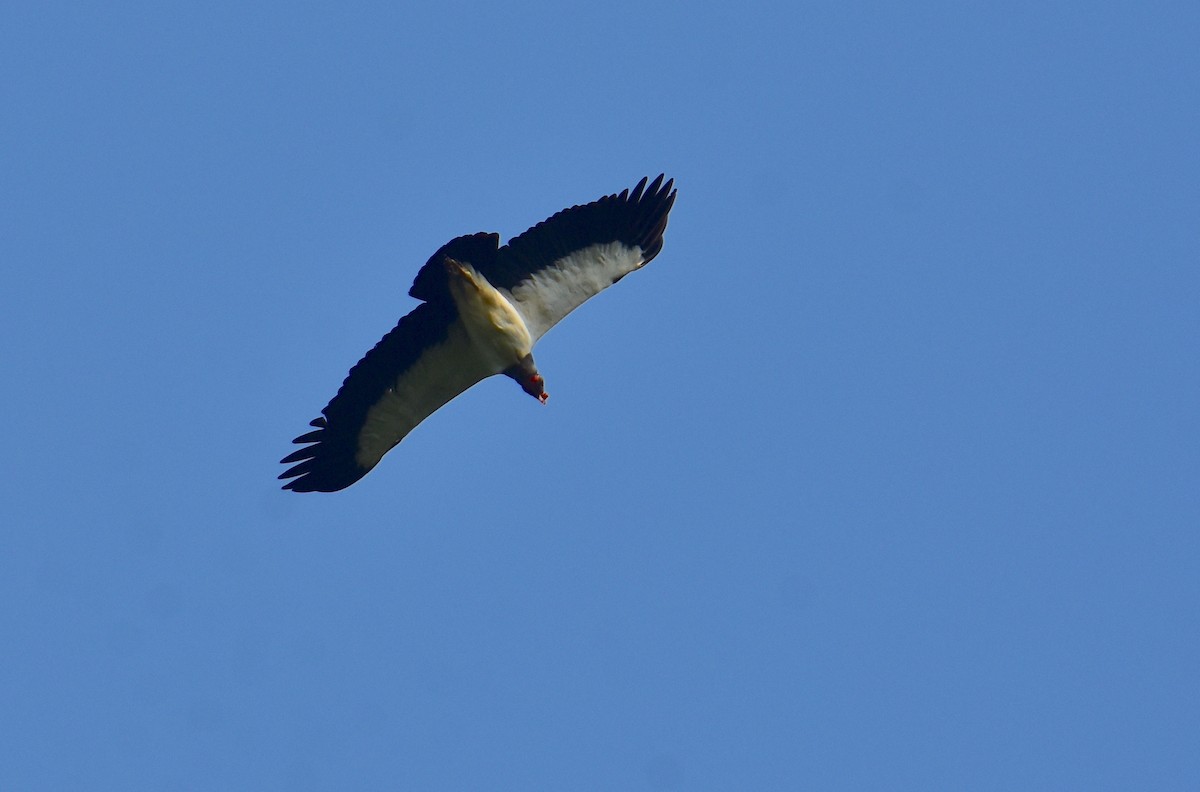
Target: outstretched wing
(423, 363)
(556, 266)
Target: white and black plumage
(484, 307)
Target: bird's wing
(424, 362)
(556, 266)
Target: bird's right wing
(556, 266)
(423, 363)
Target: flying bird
(483, 308)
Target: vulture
(483, 307)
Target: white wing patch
(554, 291)
(441, 373)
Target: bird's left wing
(556, 266)
(423, 363)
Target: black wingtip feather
(311, 437)
(296, 456)
(636, 195)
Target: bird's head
(527, 376)
(535, 386)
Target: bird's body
(496, 329)
(484, 308)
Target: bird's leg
(527, 376)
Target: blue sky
(883, 475)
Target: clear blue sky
(885, 474)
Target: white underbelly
(494, 325)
